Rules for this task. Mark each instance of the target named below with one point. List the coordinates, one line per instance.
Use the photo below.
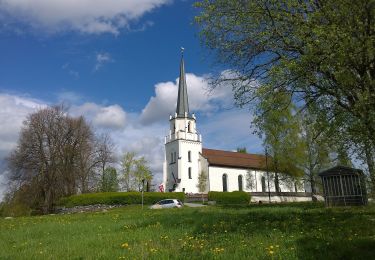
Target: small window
(225, 182)
(189, 127)
(189, 156)
(171, 157)
(175, 157)
(240, 186)
(189, 172)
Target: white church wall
(216, 180)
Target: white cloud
(201, 98)
(13, 112)
(101, 59)
(86, 16)
(111, 117)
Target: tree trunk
(371, 167)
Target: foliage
(202, 181)
(234, 197)
(134, 171)
(280, 231)
(118, 198)
(241, 150)
(250, 180)
(319, 52)
(276, 122)
(109, 180)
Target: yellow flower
(125, 245)
(271, 252)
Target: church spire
(182, 100)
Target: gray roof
(182, 100)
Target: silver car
(167, 203)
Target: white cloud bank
(86, 16)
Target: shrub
(118, 198)
(235, 197)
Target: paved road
(194, 205)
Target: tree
(142, 174)
(127, 167)
(250, 181)
(104, 152)
(109, 180)
(134, 171)
(317, 149)
(241, 150)
(202, 183)
(276, 123)
(46, 163)
(320, 52)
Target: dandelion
(270, 252)
(125, 245)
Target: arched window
(263, 179)
(189, 156)
(189, 172)
(240, 186)
(189, 127)
(225, 182)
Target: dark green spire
(182, 100)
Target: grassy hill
(292, 231)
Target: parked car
(167, 203)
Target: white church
(185, 159)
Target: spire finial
(182, 51)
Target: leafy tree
(241, 150)
(142, 174)
(109, 181)
(320, 52)
(250, 181)
(276, 123)
(202, 183)
(134, 171)
(317, 156)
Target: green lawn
(297, 231)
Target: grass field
(297, 231)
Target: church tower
(183, 145)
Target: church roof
(182, 100)
(234, 159)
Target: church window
(263, 179)
(189, 127)
(225, 182)
(189, 172)
(171, 157)
(240, 186)
(189, 156)
(175, 157)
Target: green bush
(118, 198)
(235, 197)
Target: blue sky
(116, 62)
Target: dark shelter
(344, 186)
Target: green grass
(297, 231)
